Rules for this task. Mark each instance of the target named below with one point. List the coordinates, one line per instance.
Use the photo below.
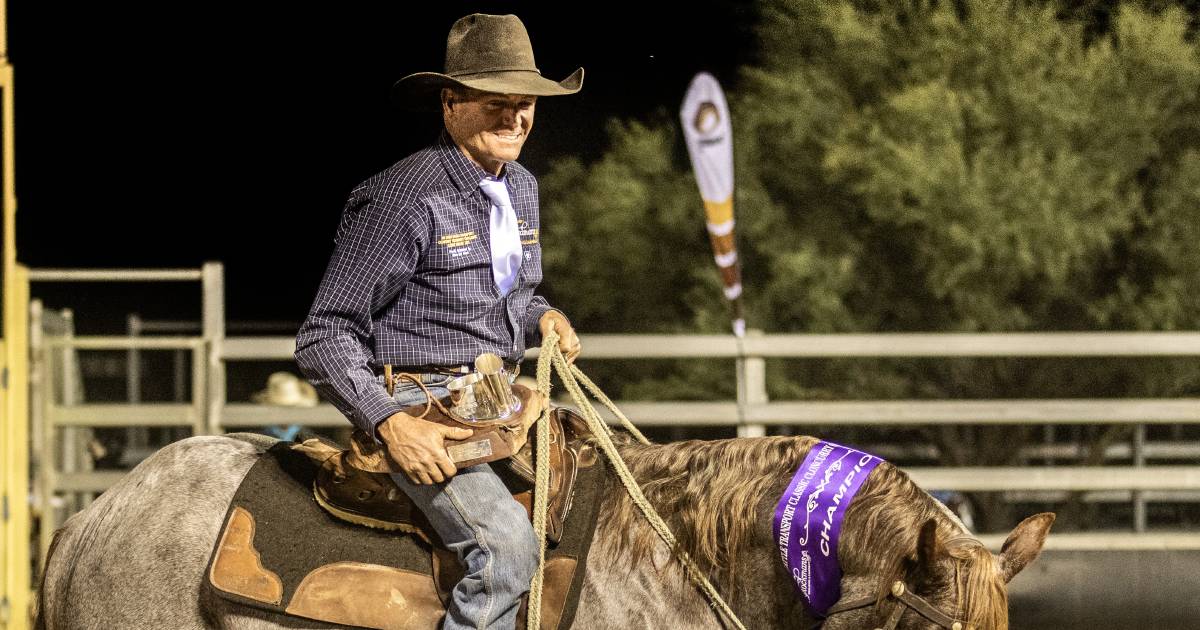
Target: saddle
(355, 485)
(287, 554)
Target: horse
(136, 557)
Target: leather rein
(905, 599)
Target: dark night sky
(169, 135)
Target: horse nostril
(363, 495)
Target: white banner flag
(709, 134)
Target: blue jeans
(477, 518)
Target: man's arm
(541, 318)
(538, 306)
(376, 249)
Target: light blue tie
(506, 241)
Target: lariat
(571, 377)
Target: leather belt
(449, 370)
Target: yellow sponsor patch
(529, 236)
(457, 240)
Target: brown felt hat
(491, 53)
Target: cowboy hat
(491, 53)
(286, 390)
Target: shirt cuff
(533, 332)
(374, 410)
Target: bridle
(905, 599)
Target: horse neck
(718, 498)
(712, 495)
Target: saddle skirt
(279, 551)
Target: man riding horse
(436, 260)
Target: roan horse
(136, 557)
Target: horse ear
(929, 548)
(1024, 544)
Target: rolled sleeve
(538, 306)
(377, 248)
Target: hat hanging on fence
(286, 390)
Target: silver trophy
(485, 394)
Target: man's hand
(568, 341)
(418, 446)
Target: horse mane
(980, 580)
(708, 492)
(717, 494)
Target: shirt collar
(465, 173)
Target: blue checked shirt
(410, 281)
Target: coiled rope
(571, 377)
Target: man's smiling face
(490, 128)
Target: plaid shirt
(410, 281)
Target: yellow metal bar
(5, 611)
(16, 454)
(15, 587)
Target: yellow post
(14, 420)
(15, 564)
(5, 613)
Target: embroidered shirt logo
(456, 244)
(529, 236)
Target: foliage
(917, 166)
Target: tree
(917, 166)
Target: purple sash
(830, 476)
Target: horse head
(946, 581)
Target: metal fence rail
(758, 412)
(210, 412)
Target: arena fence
(756, 411)
(56, 412)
